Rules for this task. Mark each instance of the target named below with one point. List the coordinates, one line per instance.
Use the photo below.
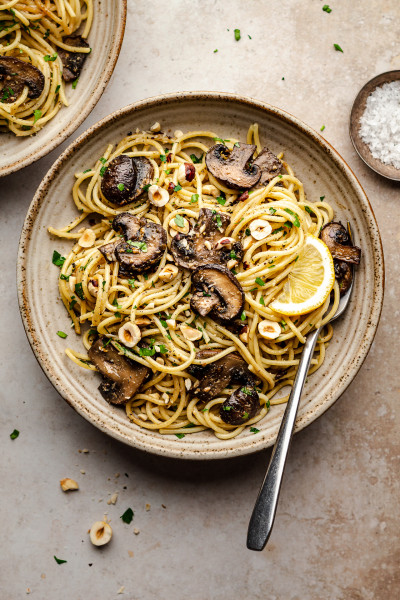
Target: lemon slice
(310, 281)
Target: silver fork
(263, 516)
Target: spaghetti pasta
(96, 293)
(34, 31)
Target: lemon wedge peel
(309, 283)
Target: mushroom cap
(144, 244)
(220, 283)
(214, 377)
(15, 74)
(125, 178)
(232, 167)
(122, 377)
(270, 166)
(190, 251)
(73, 61)
(241, 406)
(335, 236)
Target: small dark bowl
(388, 171)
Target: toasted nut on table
(100, 533)
(129, 334)
(269, 329)
(68, 484)
(260, 229)
(158, 196)
(168, 273)
(190, 333)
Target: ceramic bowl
(315, 162)
(362, 149)
(105, 38)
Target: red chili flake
(169, 157)
(243, 196)
(171, 188)
(190, 171)
(94, 283)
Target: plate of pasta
(56, 58)
(174, 260)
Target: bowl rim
(359, 146)
(177, 449)
(72, 125)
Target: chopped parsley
(127, 516)
(196, 159)
(72, 303)
(102, 171)
(51, 58)
(194, 198)
(163, 349)
(322, 198)
(59, 561)
(221, 200)
(147, 351)
(79, 291)
(283, 323)
(61, 334)
(177, 187)
(75, 83)
(308, 209)
(131, 283)
(219, 222)
(57, 259)
(217, 139)
(163, 158)
(243, 316)
(141, 245)
(216, 50)
(259, 281)
(254, 430)
(121, 187)
(272, 211)
(245, 415)
(322, 128)
(146, 187)
(262, 301)
(103, 160)
(87, 171)
(296, 222)
(14, 434)
(180, 435)
(232, 254)
(179, 220)
(247, 231)
(237, 34)
(36, 115)
(337, 48)
(326, 8)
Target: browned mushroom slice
(214, 377)
(122, 377)
(15, 74)
(241, 406)
(200, 246)
(142, 247)
(233, 168)
(73, 61)
(216, 280)
(270, 166)
(339, 243)
(343, 274)
(125, 178)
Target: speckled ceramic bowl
(315, 162)
(105, 38)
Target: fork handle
(262, 518)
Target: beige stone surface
(337, 530)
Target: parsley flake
(326, 8)
(237, 34)
(337, 48)
(14, 434)
(36, 115)
(57, 259)
(59, 561)
(221, 200)
(259, 281)
(194, 198)
(179, 220)
(254, 430)
(177, 187)
(61, 334)
(51, 58)
(127, 516)
(180, 435)
(121, 187)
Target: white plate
(105, 39)
(323, 172)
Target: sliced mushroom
(200, 246)
(125, 178)
(233, 168)
(73, 61)
(214, 377)
(241, 406)
(218, 292)
(339, 243)
(270, 166)
(14, 75)
(122, 377)
(142, 247)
